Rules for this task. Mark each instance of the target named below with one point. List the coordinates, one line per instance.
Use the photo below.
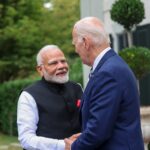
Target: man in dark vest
(48, 109)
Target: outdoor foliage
(61, 22)
(138, 58)
(127, 12)
(76, 70)
(9, 92)
(19, 32)
(19, 28)
(26, 26)
(10, 69)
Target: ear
(39, 70)
(87, 42)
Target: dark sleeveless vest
(57, 107)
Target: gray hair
(39, 57)
(93, 27)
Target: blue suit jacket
(110, 108)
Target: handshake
(70, 140)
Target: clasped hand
(70, 140)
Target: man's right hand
(70, 140)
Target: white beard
(56, 79)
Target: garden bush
(75, 69)
(9, 93)
(138, 58)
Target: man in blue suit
(110, 108)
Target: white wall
(147, 12)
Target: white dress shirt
(99, 57)
(27, 120)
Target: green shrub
(9, 93)
(138, 58)
(8, 70)
(127, 12)
(76, 73)
(12, 69)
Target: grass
(6, 139)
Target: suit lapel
(109, 54)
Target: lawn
(5, 139)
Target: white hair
(93, 27)
(39, 57)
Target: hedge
(138, 58)
(9, 94)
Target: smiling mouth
(61, 73)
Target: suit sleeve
(103, 104)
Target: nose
(62, 65)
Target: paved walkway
(12, 146)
